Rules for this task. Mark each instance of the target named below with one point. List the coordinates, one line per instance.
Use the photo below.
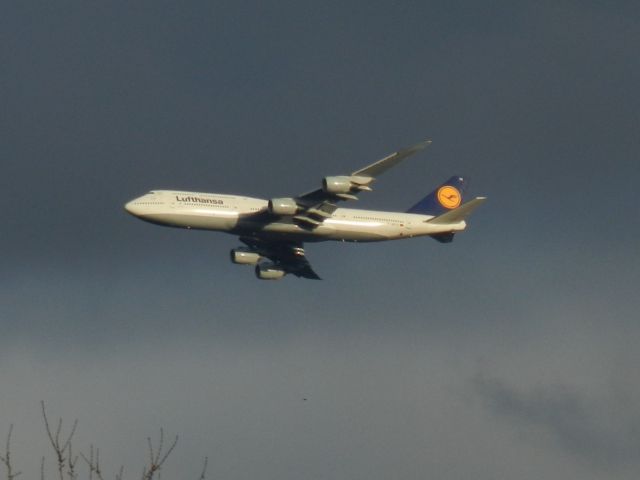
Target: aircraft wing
(321, 203)
(287, 255)
(389, 161)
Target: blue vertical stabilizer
(446, 197)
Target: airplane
(274, 231)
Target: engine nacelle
(283, 206)
(268, 271)
(243, 256)
(337, 184)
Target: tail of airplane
(446, 207)
(445, 198)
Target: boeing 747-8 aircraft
(274, 230)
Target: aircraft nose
(132, 207)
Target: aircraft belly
(362, 233)
(283, 230)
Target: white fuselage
(247, 216)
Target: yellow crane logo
(449, 197)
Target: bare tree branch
(204, 469)
(71, 463)
(93, 462)
(61, 444)
(6, 459)
(60, 447)
(157, 457)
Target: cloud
(603, 432)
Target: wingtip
(423, 144)
(418, 146)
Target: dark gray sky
(511, 353)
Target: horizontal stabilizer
(459, 214)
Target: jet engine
(269, 271)
(283, 206)
(336, 184)
(243, 256)
(343, 186)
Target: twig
(71, 461)
(157, 457)
(59, 446)
(6, 459)
(204, 469)
(93, 463)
